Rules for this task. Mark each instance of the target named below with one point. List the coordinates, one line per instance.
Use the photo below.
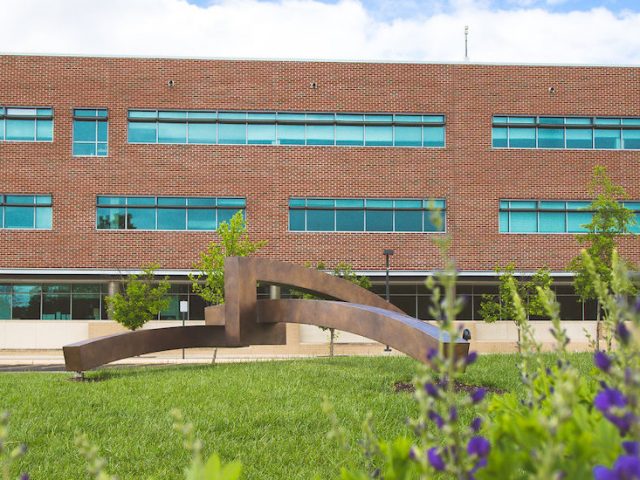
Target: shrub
(142, 299)
(234, 241)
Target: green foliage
(233, 242)
(198, 469)
(8, 452)
(610, 221)
(501, 308)
(142, 299)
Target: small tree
(142, 299)
(342, 270)
(234, 241)
(610, 220)
(494, 308)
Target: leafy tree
(494, 308)
(142, 299)
(233, 242)
(342, 270)
(610, 221)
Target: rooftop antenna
(466, 43)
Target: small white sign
(184, 306)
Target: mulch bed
(408, 387)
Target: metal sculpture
(244, 320)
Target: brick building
(108, 164)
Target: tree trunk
(332, 332)
(598, 326)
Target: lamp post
(387, 252)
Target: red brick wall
(468, 173)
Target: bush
(142, 299)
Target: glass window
(607, 139)
(350, 220)
(408, 221)
(21, 130)
(26, 302)
(320, 134)
(320, 220)
(166, 213)
(291, 134)
(433, 136)
(522, 137)
(201, 219)
(349, 135)
(141, 218)
(142, 132)
(523, 222)
(408, 136)
(631, 139)
(552, 222)
(5, 304)
(577, 220)
(19, 217)
(111, 218)
(172, 219)
(261, 134)
(296, 220)
(579, 138)
(44, 130)
(239, 128)
(232, 133)
(357, 214)
(551, 138)
(499, 137)
(56, 306)
(90, 132)
(378, 135)
(379, 221)
(85, 306)
(22, 124)
(172, 132)
(204, 133)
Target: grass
(267, 415)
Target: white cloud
(312, 29)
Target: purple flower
(602, 361)
(627, 467)
(476, 424)
(431, 389)
(623, 422)
(25, 476)
(471, 358)
(478, 395)
(453, 414)
(623, 333)
(437, 419)
(431, 354)
(435, 459)
(412, 453)
(608, 398)
(632, 448)
(479, 446)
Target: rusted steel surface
(243, 320)
(92, 353)
(398, 330)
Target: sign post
(184, 309)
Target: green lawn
(267, 415)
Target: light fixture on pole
(387, 252)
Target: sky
(500, 31)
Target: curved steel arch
(243, 320)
